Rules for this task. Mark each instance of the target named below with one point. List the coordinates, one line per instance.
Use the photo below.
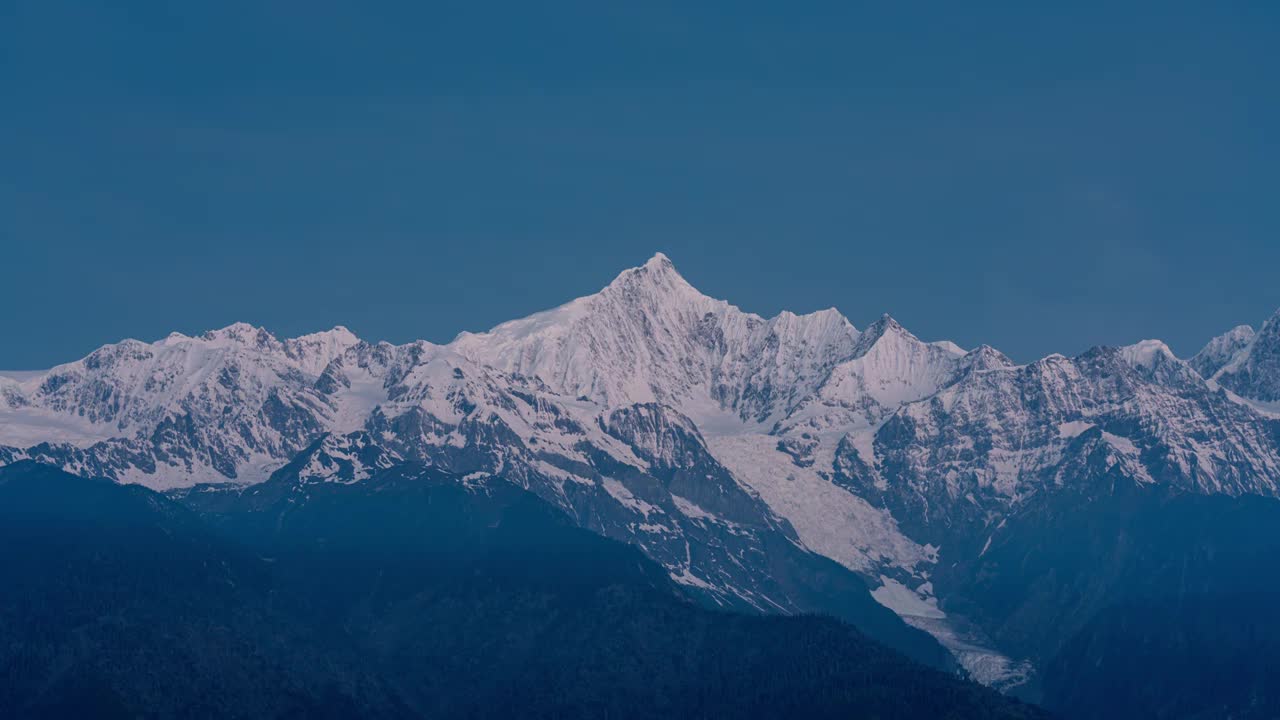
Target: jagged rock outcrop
(735, 450)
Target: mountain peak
(985, 357)
(1253, 372)
(338, 334)
(886, 323)
(314, 352)
(885, 327)
(235, 328)
(658, 276)
(241, 333)
(659, 259)
(1272, 325)
(822, 322)
(1220, 351)
(1146, 353)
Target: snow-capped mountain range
(716, 440)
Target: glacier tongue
(828, 518)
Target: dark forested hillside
(116, 602)
(1194, 657)
(1153, 604)
(414, 595)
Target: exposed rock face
(735, 450)
(1250, 363)
(1221, 350)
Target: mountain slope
(1221, 350)
(416, 594)
(1157, 659)
(115, 602)
(777, 465)
(716, 526)
(1152, 603)
(1253, 370)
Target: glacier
(707, 436)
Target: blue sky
(1039, 179)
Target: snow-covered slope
(179, 410)
(716, 440)
(1221, 350)
(649, 336)
(1251, 369)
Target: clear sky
(1039, 179)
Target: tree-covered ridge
(397, 598)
